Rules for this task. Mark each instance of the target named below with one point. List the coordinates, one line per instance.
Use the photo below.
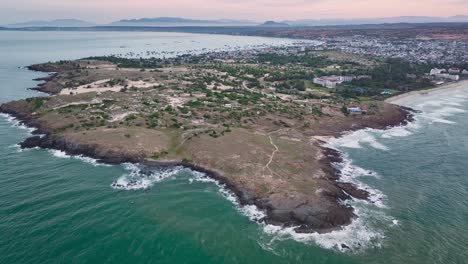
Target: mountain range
(177, 21)
(53, 23)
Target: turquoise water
(58, 209)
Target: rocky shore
(295, 210)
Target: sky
(104, 11)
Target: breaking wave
(357, 236)
(360, 234)
(16, 123)
(350, 173)
(64, 155)
(140, 177)
(251, 211)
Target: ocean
(60, 209)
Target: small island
(255, 120)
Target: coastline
(342, 190)
(402, 99)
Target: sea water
(60, 209)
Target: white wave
(138, 179)
(440, 115)
(17, 148)
(59, 154)
(355, 237)
(454, 103)
(16, 123)
(399, 131)
(355, 140)
(449, 111)
(89, 160)
(350, 173)
(64, 155)
(251, 211)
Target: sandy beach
(406, 98)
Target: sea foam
(137, 178)
(16, 123)
(64, 155)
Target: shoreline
(42, 138)
(401, 99)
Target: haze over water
(57, 209)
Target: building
(332, 81)
(448, 76)
(454, 70)
(347, 78)
(364, 109)
(436, 71)
(354, 109)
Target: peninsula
(253, 120)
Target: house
(364, 109)
(354, 110)
(454, 70)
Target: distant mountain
(386, 20)
(53, 23)
(274, 24)
(177, 21)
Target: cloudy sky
(102, 11)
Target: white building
(448, 76)
(436, 71)
(332, 81)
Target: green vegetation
(37, 102)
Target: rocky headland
(262, 146)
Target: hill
(53, 23)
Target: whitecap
(399, 131)
(64, 155)
(350, 173)
(59, 154)
(355, 140)
(140, 178)
(356, 236)
(251, 211)
(16, 123)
